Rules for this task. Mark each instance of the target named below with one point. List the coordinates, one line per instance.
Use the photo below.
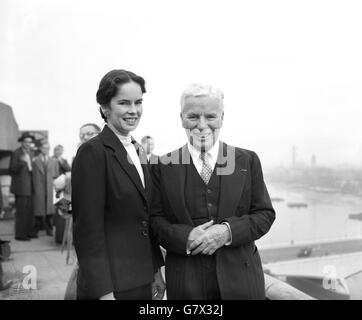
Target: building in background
(9, 134)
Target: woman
(111, 190)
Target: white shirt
(131, 151)
(27, 159)
(195, 155)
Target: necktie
(206, 170)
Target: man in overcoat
(45, 169)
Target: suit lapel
(232, 169)
(175, 174)
(130, 169)
(144, 163)
(147, 176)
(111, 140)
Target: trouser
(199, 280)
(208, 278)
(24, 218)
(41, 221)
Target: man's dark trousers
(24, 217)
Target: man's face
(202, 117)
(44, 149)
(58, 152)
(26, 143)
(86, 133)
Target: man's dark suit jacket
(244, 203)
(111, 219)
(21, 177)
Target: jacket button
(209, 191)
(209, 205)
(145, 233)
(247, 264)
(145, 223)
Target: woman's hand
(158, 286)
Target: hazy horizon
(291, 71)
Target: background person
(62, 163)
(88, 131)
(22, 187)
(92, 130)
(64, 168)
(148, 144)
(45, 170)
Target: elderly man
(210, 204)
(88, 131)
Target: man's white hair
(198, 90)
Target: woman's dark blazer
(111, 219)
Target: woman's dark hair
(108, 87)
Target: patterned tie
(206, 170)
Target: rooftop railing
(276, 289)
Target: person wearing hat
(21, 187)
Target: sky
(291, 71)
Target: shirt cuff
(231, 235)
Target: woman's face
(125, 108)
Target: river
(325, 218)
